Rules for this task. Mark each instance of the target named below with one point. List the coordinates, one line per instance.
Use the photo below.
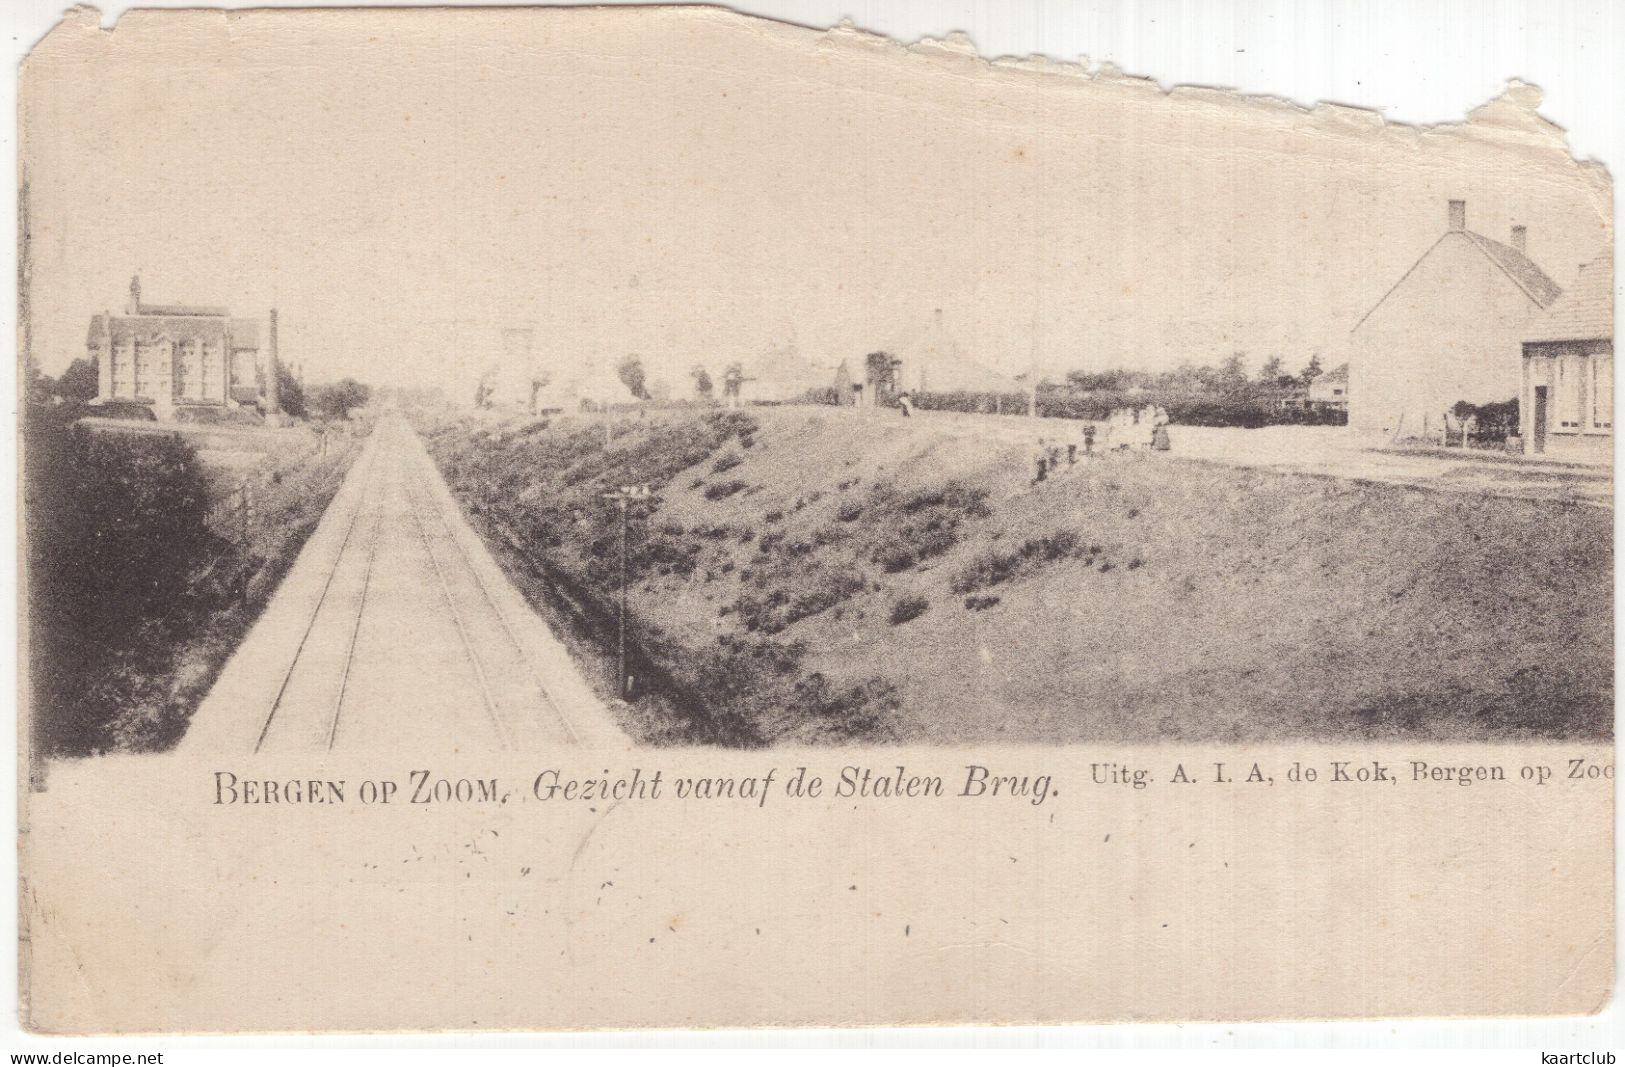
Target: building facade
(170, 356)
(1450, 329)
(1568, 364)
(1330, 390)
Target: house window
(1566, 395)
(123, 371)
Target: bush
(907, 530)
(123, 409)
(727, 462)
(980, 603)
(795, 598)
(723, 490)
(1249, 407)
(907, 609)
(995, 567)
(1496, 422)
(141, 579)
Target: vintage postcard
(655, 517)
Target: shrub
(907, 609)
(796, 598)
(1496, 422)
(995, 566)
(726, 462)
(907, 530)
(849, 511)
(842, 714)
(1250, 407)
(980, 603)
(723, 490)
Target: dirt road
(395, 630)
(1578, 476)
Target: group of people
(1130, 428)
(1125, 429)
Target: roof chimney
(1520, 238)
(1458, 214)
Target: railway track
(368, 487)
(319, 688)
(490, 600)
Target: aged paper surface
(549, 519)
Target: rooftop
(1586, 312)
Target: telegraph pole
(623, 496)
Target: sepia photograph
(637, 488)
(1005, 419)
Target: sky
(698, 186)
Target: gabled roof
(1335, 376)
(1514, 264)
(151, 327)
(1530, 278)
(183, 309)
(245, 333)
(1586, 312)
(784, 367)
(935, 354)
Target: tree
(702, 381)
(1270, 372)
(881, 373)
(289, 393)
(1233, 371)
(733, 378)
(78, 382)
(338, 399)
(1312, 371)
(1092, 381)
(630, 371)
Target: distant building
(846, 390)
(169, 356)
(780, 375)
(511, 380)
(1568, 363)
(1451, 329)
(586, 386)
(1330, 390)
(934, 362)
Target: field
(818, 576)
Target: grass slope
(823, 576)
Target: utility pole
(623, 496)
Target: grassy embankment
(144, 574)
(822, 576)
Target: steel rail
(355, 631)
(462, 628)
(321, 599)
(507, 628)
